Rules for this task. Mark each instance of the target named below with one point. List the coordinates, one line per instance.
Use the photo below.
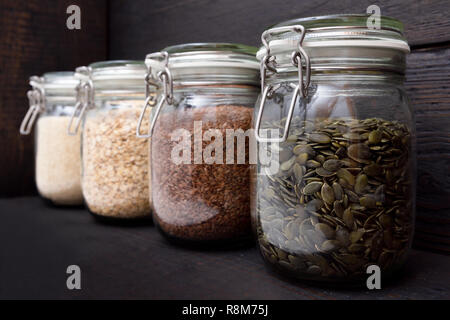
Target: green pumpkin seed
(299, 149)
(341, 199)
(355, 236)
(375, 137)
(353, 137)
(285, 166)
(330, 245)
(312, 164)
(359, 152)
(324, 173)
(348, 218)
(346, 175)
(319, 138)
(332, 165)
(367, 202)
(314, 205)
(361, 183)
(326, 230)
(298, 172)
(373, 170)
(327, 193)
(339, 208)
(312, 187)
(302, 158)
(314, 270)
(338, 192)
(343, 236)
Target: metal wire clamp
(268, 64)
(163, 76)
(85, 100)
(36, 102)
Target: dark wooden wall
(138, 27)
(34, 39)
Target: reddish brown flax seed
(201, 201)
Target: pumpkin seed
(326, 230)
(285, 166)
(302, 158)
(319, 138)
(361, 183)
(355, 236)
(312, 187)
(368, 202)
(327, 193)
(298, 172)
(346, 175)
(348, 218)
(375, 137)
(330, 245)
(332, 165)
(342, 199)
(359, 152)
(312, 164)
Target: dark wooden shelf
(38, 242)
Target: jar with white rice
(57, 154)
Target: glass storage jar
(57, 155)
(204, 100)
(114, 161)
(334, 188)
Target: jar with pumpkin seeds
(334, 188)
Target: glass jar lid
(208, 63)
(118, 69)
(54, 84)
(115, 80)
(52, 87)
(339, 42)
(117, 75)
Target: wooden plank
(136, 262)
(428, 86)
(34, 39)
(139, 27)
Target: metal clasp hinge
(163, 76)
(304, 78)
(85, 100)
(36, 101)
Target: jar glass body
(201, 193)
(57, 154)
(340, 192)
(114, 160)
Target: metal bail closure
(268, 64)
(85, 98)
(163, 76)
(36, 101)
